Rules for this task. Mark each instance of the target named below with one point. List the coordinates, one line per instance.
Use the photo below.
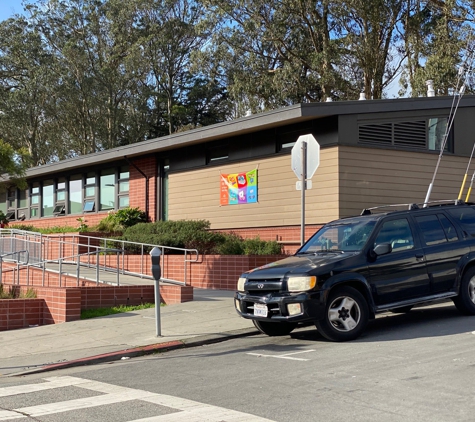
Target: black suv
(354, 267)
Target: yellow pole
(463, 185)
(468, 194)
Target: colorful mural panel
(239, 188)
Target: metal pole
(304, 186)
(97, 267)
(118, 268)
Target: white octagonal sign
(313, 156)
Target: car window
(466, 216)
(397, 233)
(449, 228)
(431, 228)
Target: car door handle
(420, 257)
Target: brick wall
(138, 188)
(20, 313)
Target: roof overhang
(249, 124)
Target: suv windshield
(349, 235)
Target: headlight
(240, 285)
(300, 284)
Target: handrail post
(78, 266)
(60, 271)
(118, 272)
(97, 266)
(186, 268)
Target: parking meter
(157, 273)
(156, 269)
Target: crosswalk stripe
(188, 410)
(56, 382)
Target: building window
(124, 187)
(48, 198)
(11, 198)
(3, 202)
(35, 200)
(75, 195)
(90, 192)
(61, 191)
(437, 128)
(107, 190)
(421, 134)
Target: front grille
(263, 287)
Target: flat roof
(253, 123)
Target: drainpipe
(146, 186)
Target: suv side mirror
(382, 249)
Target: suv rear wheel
(274, 328)
(465, 301)
(346, 315)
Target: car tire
(274, 329)
(465, 301)
(402, 309)
(346, 315)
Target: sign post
(305, 160)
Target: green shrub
(257, 246)
(14, 292)
(47, 230)
(195, 234)
(119, 220)
(24, 227)
(232, 245)
(190, 234)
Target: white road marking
(286, 356)
(188, 410)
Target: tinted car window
(466, 216)
(432, 230)
(450, 231)
(397, 233)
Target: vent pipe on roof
(362, 96)
(430, 88)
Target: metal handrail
(17, 261)
(44, 243)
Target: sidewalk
(209, 318)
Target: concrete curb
(141, 351)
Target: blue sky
(10, 7)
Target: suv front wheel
(346, 315)
(465, 301)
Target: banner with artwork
(239, 188)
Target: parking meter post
(157, 273)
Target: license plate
(260, 309)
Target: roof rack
(414, 206)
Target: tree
(27, 99)
(12, 165)
(436, 34)
(280, 52)
(171, 31)
(369, 36)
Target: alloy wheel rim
(471, 289)
(344, 313)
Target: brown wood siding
(371, 177)
(195, 194)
